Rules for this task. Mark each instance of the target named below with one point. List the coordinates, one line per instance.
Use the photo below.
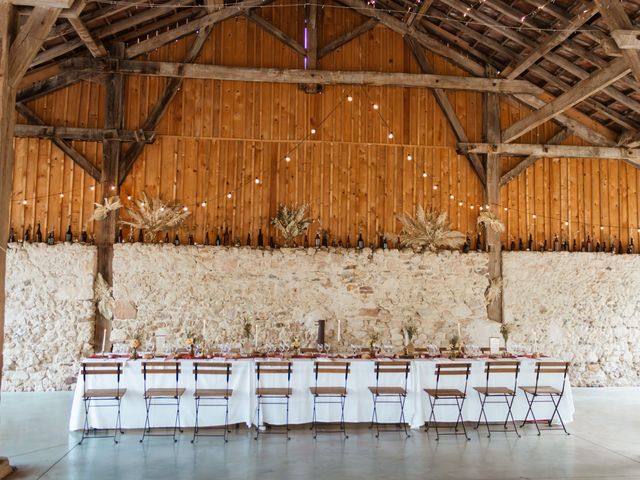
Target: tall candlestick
(339, 324)
(104, 339)
(459, 334)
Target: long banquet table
(358, 408)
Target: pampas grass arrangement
(109, 205)
(291, 221)
(490, 221)
(429, 231)
(154, 216)
(493, 291)
(103, 296)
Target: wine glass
(326, 348)
(376, 349)
(320, 347)
(388, 350)
(433, 350)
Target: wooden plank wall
(217, 137)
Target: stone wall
(183, 290)
(49, 315)
(583, 307)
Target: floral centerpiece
(505, 330)
(410, 330)
(134, 345)
(456, 347)
(374, 340)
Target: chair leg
(147, 427)
(195, 427)
(483, 413)
(510, 413)
(343, 400)
(85, 428)
(176, 426)
(118, 422)
(288, 437)
(314, 425)
(375, 415)
(226, 421)
(403, 421)
(530, 402)
(257, 420)
(460, 404)
(556, 412)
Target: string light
(409, 157)
(313, 131)
(185, 208)
(349, 98)
(471, 207)
(375, 106)
(229, 195)
(390, 135)
(506, 209)
(113, 187)
(24, 202)
(61, 195)
(142, 204)
(92, 188)
(460, 204)
(424, 174)
(257, 180)
(203, 204)
(128, 197)
(287, 158)
(451, 196)
(533, 216)
(435, 187)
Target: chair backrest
(211, 368)
(274, 368)
(332, 368)
(544, 369)
(453, 369)
(391, 367)
(510, 368)
(89, 369)
(153, 368)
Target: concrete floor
(605, 444)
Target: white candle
(535, 342)
(255, 337)
(406, 337)
(459, 334)
(339, 323)
(104, 339)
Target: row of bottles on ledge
(563, 246)
(38, 237)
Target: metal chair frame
(89, 369)
(390, 367)
(342, 368)
(554, 397)
(436, 399)
(507, 398)
(158, 368)
(212, 400)
(273, 368)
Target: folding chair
(103, 397)
(442, 396)
(506, 371)
(212, 397)
(161, 396)
(534, 393)
(273, 395)
(330, 394)
(387, 394)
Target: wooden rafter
(162, 105)
(44, 3)
(626, 39)
(447, 108)
(281, 75)
(531, 159)
(616, 18)
(82, 134)
(270, 28)
(52, 84)
(346, 37)
(94, 45)
(77, 157)
(312, 33)
(583, 89)
(419, 12)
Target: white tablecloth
(358, 407)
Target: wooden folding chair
(273, 395)
(388, 394)
(505, 371)
(161, 396)
(443, 396)
(330, 394)
(212, 397)
(539, 392)
(102, 397)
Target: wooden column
(7, 121)
(492, 192)
(107, 229)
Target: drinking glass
(433, 350)
(320, 347)
(326, 348)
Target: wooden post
(7, 122)
(107, 229)
(492, 193)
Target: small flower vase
(192, 351)
(134, 354)
(247, 346)
(410, 349)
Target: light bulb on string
(566, 224)
(480, 208)
(92, 188)
(203, 204)
(128, 197)
(601, 227)
(435, 187)
(459, 204)
(313, 131)
(451, 196)
(24, 202)
(185, 208)
(375, 106)
(61, 195)
(113, 187)
(506, 209)
(142, 204)
(390, 136)
(287, 158)
(229, 195)
(424, 174)
(409, 157)
(257, 180)
(349, 98)
(533, 216)
(471, 207)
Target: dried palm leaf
(154, 216)
(493, 291)
(103, 296)
(291, 221)
(102, 210)
(429, 230)
(490, 221)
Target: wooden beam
(531, 159)
(270, 28)
(51, 84)
(8, 26)
(447, 108)
(63, 145)
(106, 230)
(346, 37)
(311, 50)
(281, 75)
(491, 127)
(82, 134)
(629, 139)
(551, 42)
(224, 13)
(93, 44)
(418, 13)
(44, 3)
(627, 39)
(162, 104)
(614, 15)
(583, 89)
(398, 26)
(29, 40)
(630, 155)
